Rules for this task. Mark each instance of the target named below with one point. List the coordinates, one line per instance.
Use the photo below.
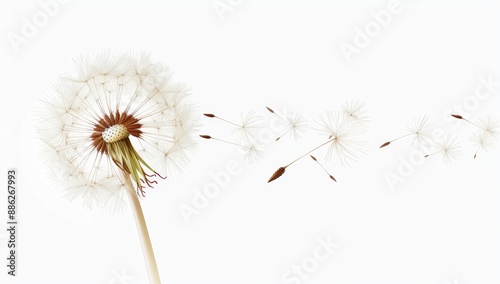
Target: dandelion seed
(252, 152)
(346, 141)
(487, 123)
(488, 132)
(490, 125)
(296, 124)
(316, 160)
(211, 115)
(448, 147)
(279, 172)
(277, 115)
(356, 111)
(483, 141)
(247, 130)
(97, 122)
(421, 129)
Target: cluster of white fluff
(104, 84)
(347, 128)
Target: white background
(441, 225)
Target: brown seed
(385, 144)
(426, 156)
(457, 116)
(270, 110)
(206, 136)
(314, 158)
(209, 115)
(279, 172)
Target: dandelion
(421, 129)
(488, 131)
(448, 147)
(346, 141)
(118, 125)
(296, 124)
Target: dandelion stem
(315, 148)
(279, 137)
(227, 121)
(427, 155)
(331, 177)
(389, 142)
(225, 141)
(229, 142)
(272, 111)
(409, 134)
(462, 118)
(279, 172)
(472, 123)
(147, 249)
(477, 150)
(211, 115)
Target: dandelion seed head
(348, 138)
(248, 130)
(356, 112)
(116, 113)
(422, 130)
(297, 125)
(483, 140)
(449, 148)
(252, 152)
(490, 124)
